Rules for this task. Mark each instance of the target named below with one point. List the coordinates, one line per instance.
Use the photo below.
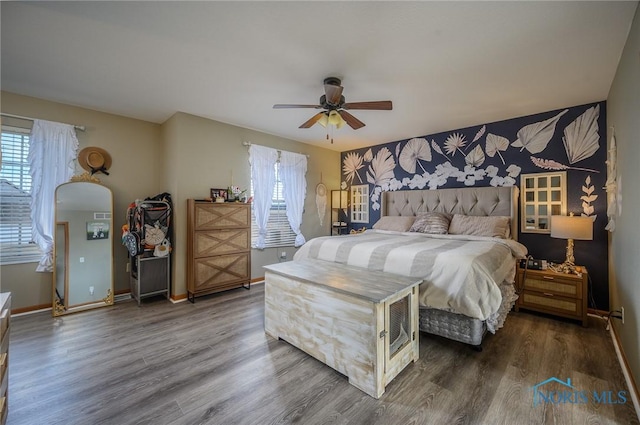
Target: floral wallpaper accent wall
(496, 154)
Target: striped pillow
(432, 223)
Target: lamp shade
(331, 118)
(571, 227)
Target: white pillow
(394, 223)
(494, 226)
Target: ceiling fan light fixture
(332, 118)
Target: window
(279, 231)
(16, 245)
(360, 204)
(543, 195)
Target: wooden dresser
(560, 294)
(218, 247)
(5, 321)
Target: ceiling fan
(335, 108)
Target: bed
(467, 286)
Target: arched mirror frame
(60, 307)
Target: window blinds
(15, 198)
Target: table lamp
(571, 227)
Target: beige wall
(185, 156)
(623, 110)
(134, 146)
(202, 154)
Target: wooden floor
(211, 363)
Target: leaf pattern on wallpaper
(513, 170)
(454, 143)
(414, 151)
(581, 138)
(479, 134)
(476, 157)
(437, 148)
(495, 144)
(588, 198)
(350, 166)
(380, 170)
(535, 137)
(368, 155)
(550, 164)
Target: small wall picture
(217, 194)
(97, 230)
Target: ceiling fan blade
(353, 122)
(333, 93)
(382, 105)
(314, 119)
(286, 106)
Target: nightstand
(559, 294)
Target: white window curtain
(51, 154)
(262, 161)
(293, 167)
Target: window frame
(359, 203)
(530, 197)
(278, 221)
(17, 246)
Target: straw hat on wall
(94, 160)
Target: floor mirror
(83, 247)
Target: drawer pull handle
(548, 294)
(548, 277)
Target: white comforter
(461, 273)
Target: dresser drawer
(208, 216)
(216, 242)
(3, 410)
(214, 272)
(551, 303)
(553, 284)
(4, 322)
(4, 358)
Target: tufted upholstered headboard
(483, 201)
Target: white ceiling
(445, 65)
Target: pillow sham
(494, 226)
(394, 223)
(432, 222)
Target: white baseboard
(177, 301)
(625, 371)
(30, 312)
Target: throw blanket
(460, 273)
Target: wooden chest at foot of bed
(363, 324)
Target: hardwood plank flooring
(211, 363)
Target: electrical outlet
(622, 314)
(283, 255)
(91, 289)
(127, 267)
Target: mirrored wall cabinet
(542, 195)
(83, 248)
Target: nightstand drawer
(553, 284)
(554, 293)
(551, 303)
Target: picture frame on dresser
(218, 193)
